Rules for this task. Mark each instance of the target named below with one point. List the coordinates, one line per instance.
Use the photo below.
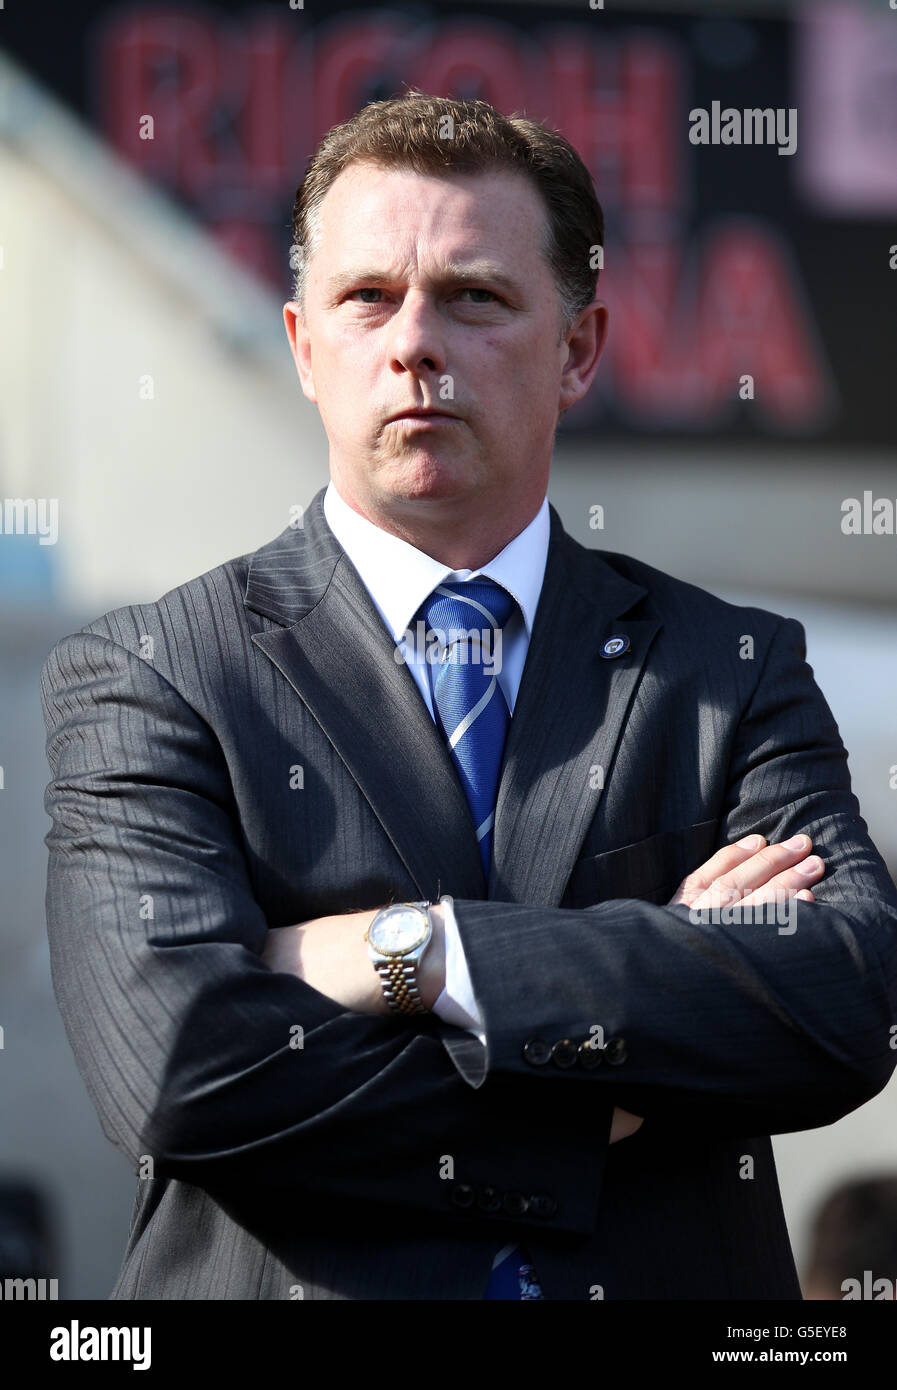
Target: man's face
(434, 292)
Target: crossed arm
(330, 953)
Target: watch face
(399, 930)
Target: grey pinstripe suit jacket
(390, 1159)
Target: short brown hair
(407, 132)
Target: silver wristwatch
(397, 939)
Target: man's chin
(425, 478)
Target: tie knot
(468, 605)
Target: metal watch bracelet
(399, 980)
(398, 977)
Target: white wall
(104, 284)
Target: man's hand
(331, 955)
(752, 872)
(623, 1124)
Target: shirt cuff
(456, 1004)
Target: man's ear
(300, 346)
(585, 342)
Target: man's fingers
(723, 862)
(787, 866)
(784, 887)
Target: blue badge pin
(615, 646)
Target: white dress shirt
(399, 577)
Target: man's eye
(372, 290)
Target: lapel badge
(615, 646)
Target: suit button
(489, 1199)
(616, 1051)
(588, 1056)
(515, 1204)
(537, 1052)
(541, 1204)
(463, 1195)
(563, 1054)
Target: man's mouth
(422, 415)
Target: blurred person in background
(853, 1251)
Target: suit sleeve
(745, 1028)
(197, 1056)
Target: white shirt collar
(399, 577)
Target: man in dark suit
(400, 870)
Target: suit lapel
(333, 648)
(339, 657)
(568, 719)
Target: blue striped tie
(471, 712)
(470, 708)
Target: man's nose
(416, 335)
